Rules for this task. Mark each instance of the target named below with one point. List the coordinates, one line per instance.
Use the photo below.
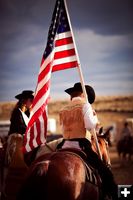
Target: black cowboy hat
(26, 94)
(78, 88)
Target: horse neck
(103, 149)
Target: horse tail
(34, 187)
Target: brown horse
(104, 147)
(63, 176)
(15, 168)
(125, 148)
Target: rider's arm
(90, 117)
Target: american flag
(58, 55)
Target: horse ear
(101, 130)
(100, 133)
(103, 134)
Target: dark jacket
(17, 122)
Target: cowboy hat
(26, 94)
(78, 88)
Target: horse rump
(62, 177)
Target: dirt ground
(122, 170)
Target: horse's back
(61, 175)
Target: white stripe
(47, 61)
(63, 35)
(35, 135)
(28, 139)
(42, 137)
(41, 101)
(64, 47)
(64, 60)
(28, 149)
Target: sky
(103, 31)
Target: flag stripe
(63, 35)
(40, 97)
(63, 41)
(64, 47)
(42, 129)
(63, 54)
(41, 84)
(38, 127)
(46, 61)
(37, 113)
(44, 75)
(31, 137)
(64, 60)
(34, 142)
(64, 66)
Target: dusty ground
(122, 170)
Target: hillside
(102, 104)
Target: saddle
(92, 175)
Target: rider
(76, 118)
(20, 115)
(126, 132)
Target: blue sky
(103, 32)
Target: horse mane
(14, 142)
(103, 145)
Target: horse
(63, 175)
(107, 132)
(3, 144)
(125, 147)
(1, 161)
(14, 167)
(104, 147)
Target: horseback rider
(126, 131)
(77, 120)
(20, 115)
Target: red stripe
(45, 71)
(31, 137)
(64, 66)
(24, 149)
(37, 114)
(45, 119)
(41, 93)
(66, 53)
(63, 41)
(39, 132)
(33, 119)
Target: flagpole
(81, 76)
